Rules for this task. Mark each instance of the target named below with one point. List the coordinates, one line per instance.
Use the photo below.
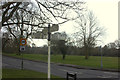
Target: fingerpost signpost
(47, 32)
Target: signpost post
(101, 57)
(42, 35)
(52, 29)
(22, 48)
(23, 42)
(49, 51)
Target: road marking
(71, 71)
(66, 70)
(79, 73)
(111, 73)
(104, 76)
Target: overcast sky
(106, 12)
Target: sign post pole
(22, 62)
(47, 31)
(22, 48)
(101, 57)
(49, 51)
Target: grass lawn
(93, 61)
(17, 73)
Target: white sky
(107, 14)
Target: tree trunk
(86, 52)
(86, 56)
(63, 56)
(18, 46)
(4, 42)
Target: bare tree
(8, 9)
(51, 11)
(59, 45)
(117, 43)
(46, 12)
(88, 32)
(15, 15)
(15, 25)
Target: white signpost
(54, 28)
(43, 35)
(38, 35)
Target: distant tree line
(71, 50)
(107, 50)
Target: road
(8, 62)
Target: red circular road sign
(23, 42)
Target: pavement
(57, 69)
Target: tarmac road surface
(9, 62)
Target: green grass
(93, 61)
(17, 73)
